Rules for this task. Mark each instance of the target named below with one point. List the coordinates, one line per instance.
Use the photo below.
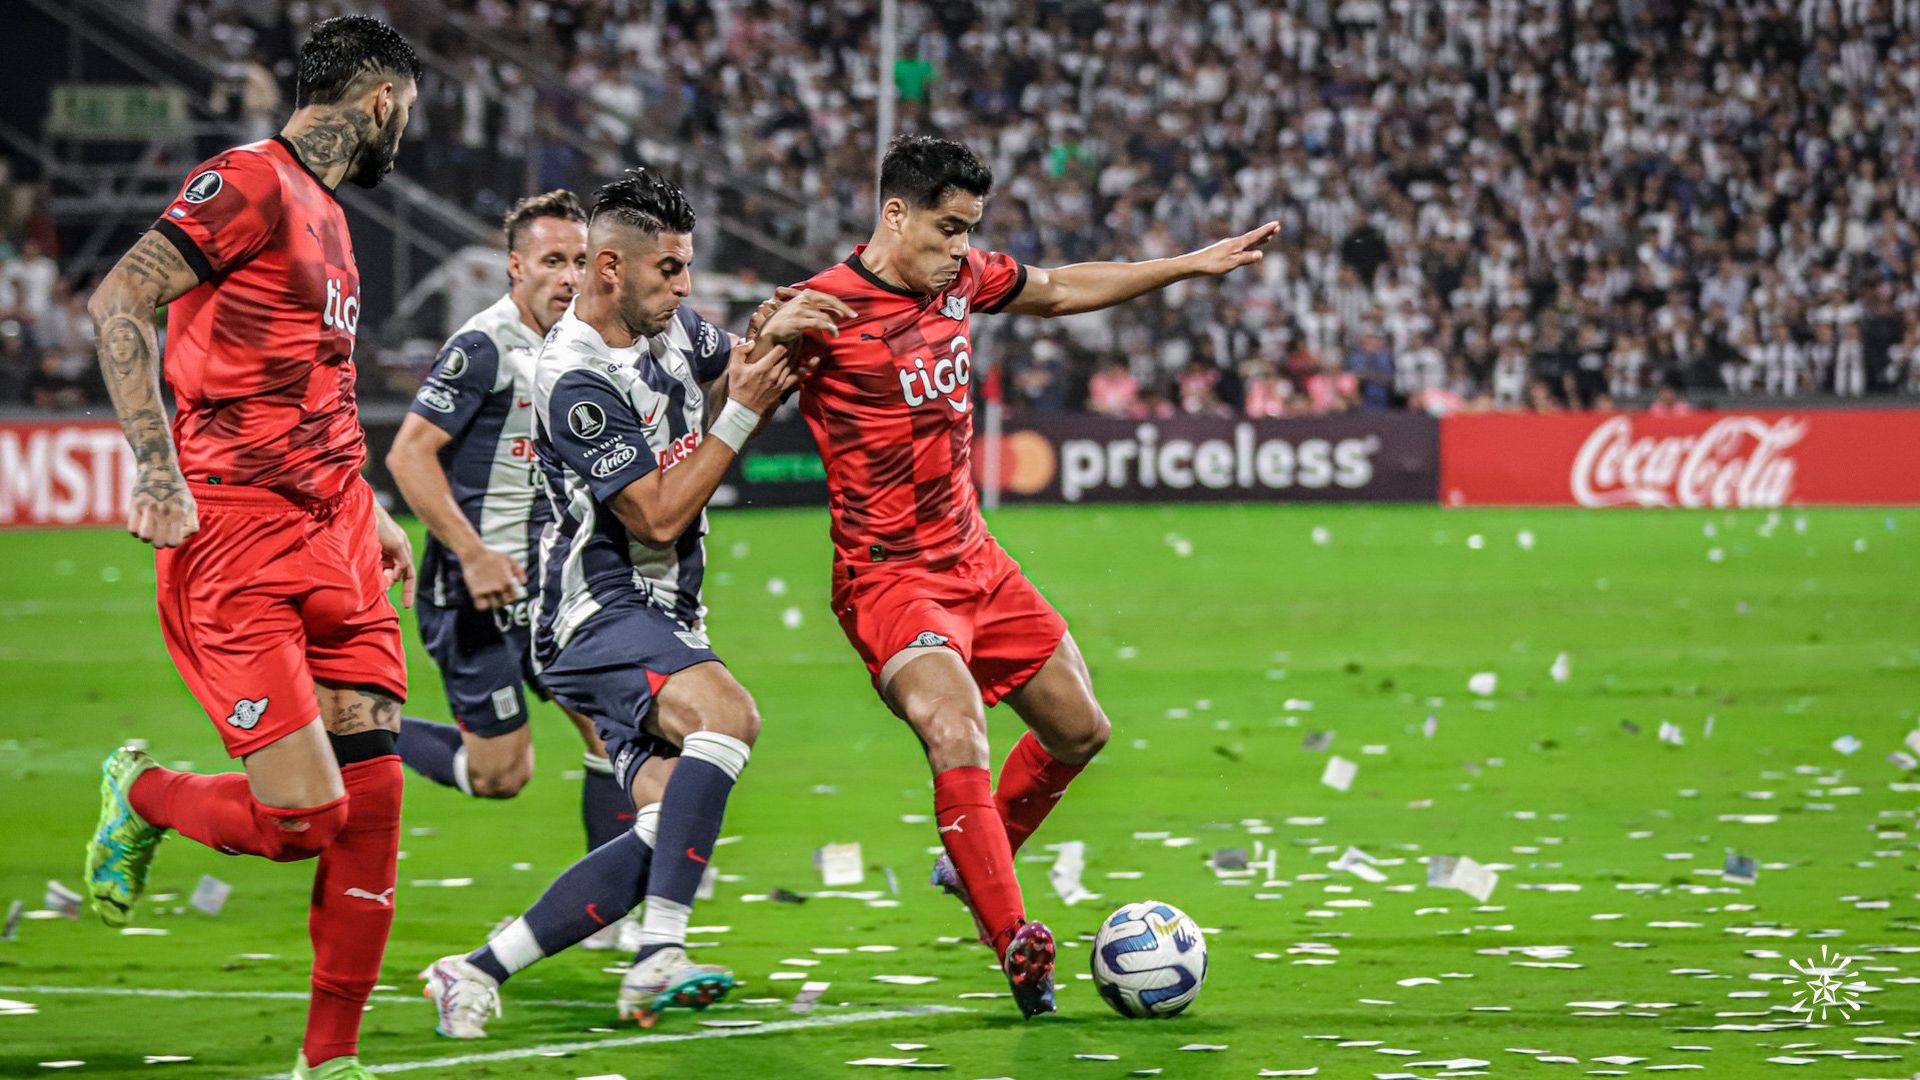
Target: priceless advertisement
(1762, 458)
(1384, 457)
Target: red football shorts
(271, 595)
(983, 608)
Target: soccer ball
(1149, 960)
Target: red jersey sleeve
(1000, 277)
(225, 212)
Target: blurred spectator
(60, 381)
(1113, 391)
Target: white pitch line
(647, 1040)
(302, 995)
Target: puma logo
(246, 714)
(955, 827)
(384, 897)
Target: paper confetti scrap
(210, 895)
(1339, 773)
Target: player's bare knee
(1085, 741)
(955, 733)
(502, 783)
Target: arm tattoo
(153, 272)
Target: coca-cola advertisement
(77, 472)
(1761, 458)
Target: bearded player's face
(375, 160)
(933, 240)
(655, 276)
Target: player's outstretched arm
(493, 578)
(1069, 290)
(659, 506)
(149, 276)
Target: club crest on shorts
(927, 640)
(246, 714)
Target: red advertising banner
(75, 472)
(1840, 457)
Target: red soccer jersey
(260, 354)
(891, 407)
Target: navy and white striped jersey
(480, 391)
(603, 418)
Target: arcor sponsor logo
(1739, 461)
(1244, 463)
(944, 380)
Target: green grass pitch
(1218, 638)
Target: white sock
(514, 946)
(461, 779)
(665, 923)
(724, 752)
(646, 823)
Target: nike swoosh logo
(649, 421)
(595, 916)
(695, 856)
(518, 404)
(961, 409)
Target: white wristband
(735, 425)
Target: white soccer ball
(1149, 960)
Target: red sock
(1031, 782)
(220, 811)
(352, 908)
(977, 842)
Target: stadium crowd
(1511, 204)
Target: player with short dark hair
(464, 461)
(273, 557)
(943, 617)
(629, 457)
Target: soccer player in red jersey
(273, 558)
(943, 617)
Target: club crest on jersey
(945, 380)
(954, 307)
(709, 340)
(203, 187)
(586, 420)
(246, 714)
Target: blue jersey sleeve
(593, 428)
(711, 345)
(461, 378)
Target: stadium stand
(1488, 204)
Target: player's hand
(162, 511)
(1233, 253)
(767, 307)
(811, 311)
(396, 554)
(493, 578)
(760, 384)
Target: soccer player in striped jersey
(624, 389)
(943, 617)
(464, 462)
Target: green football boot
(340, 1068)
(122, 846)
